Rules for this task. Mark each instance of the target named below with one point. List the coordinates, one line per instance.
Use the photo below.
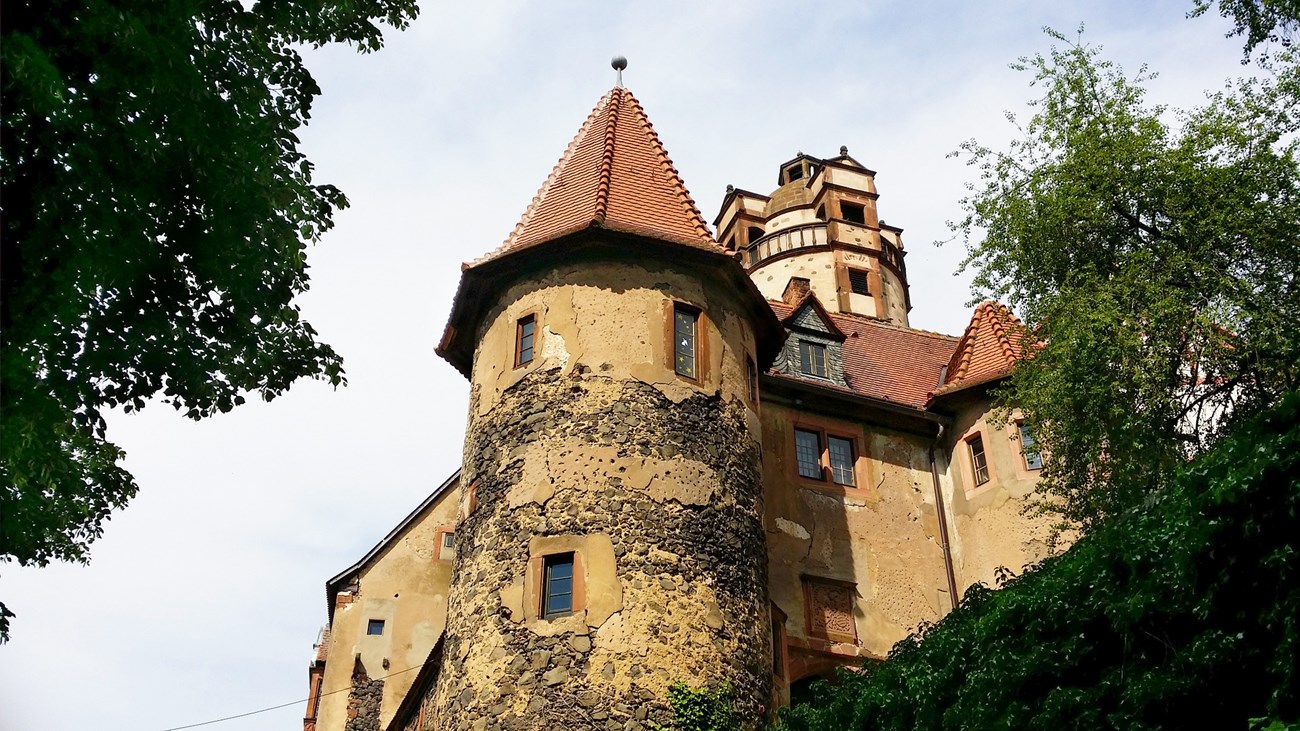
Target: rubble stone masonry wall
(652, 484)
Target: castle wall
(406, 587)
(649, 480)
(877, 541)
(989, 526)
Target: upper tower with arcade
(821, 224)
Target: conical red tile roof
(614, 175)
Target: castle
(720, 460)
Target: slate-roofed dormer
(814, 348)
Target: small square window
(525, 334)
(853, 213)
(449, 540)
(1029, 449)
(684, 333)
(375, 627)
(557, 585)
(858, 282)
(979, 462)
(841, 454)
(812, 359)
(808, 453)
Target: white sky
(204, 596)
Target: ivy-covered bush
(701, 709)
(1184, 614)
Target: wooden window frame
(970, 441)
(370, 623)
(825, 429)
(702, 353)
(525, 318)
(548, 563)
(814, 346)
(821, 448)
(853, 460)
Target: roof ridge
(877, 322)
(607, 160)
(674, 178)
(552, 181)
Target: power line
(285, 705)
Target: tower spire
(618, 63)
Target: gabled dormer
(814, 348)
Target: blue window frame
(808, 453)
(557, 585)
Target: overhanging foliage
(1180, 615)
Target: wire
(285, 705)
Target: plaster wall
(818, 267)
(989, 526)
(880, 535)
(406, 586)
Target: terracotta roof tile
(994, 340)
(614, 175)
(886, 362)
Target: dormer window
(812, 359)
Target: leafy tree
(1154, 254)
(156, 214)
(1260, 21)
(1180, 616)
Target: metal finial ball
(618, 63)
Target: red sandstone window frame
(826, 430)
(535, 586)
(855, 276)
(439, 537)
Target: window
(525, 332)
(1029, 449)
(812, 359)
(819, 454)
(444, 548)
(778, 642)
(979, 463)
(841, 454)
(858, 282)
(751, 372)
(684, 327)
(853, 213)
(375, 627)
(793, 173)
(808, 453)
(754, 233)
(557, 585)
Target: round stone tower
(611, 538)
